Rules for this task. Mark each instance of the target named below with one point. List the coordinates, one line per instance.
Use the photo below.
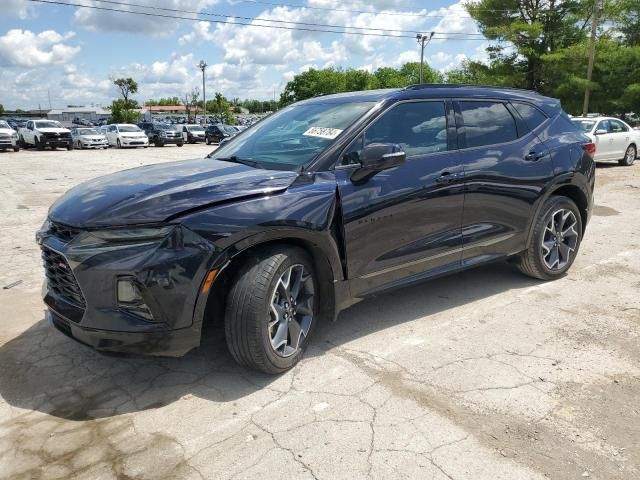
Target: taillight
(590, 148)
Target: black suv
(324, 202)
(215, 134)
(161, 134)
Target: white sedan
(614, 139)
(126, 135)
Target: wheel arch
(325, 262)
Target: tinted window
(487, 123)
(617, 126)
(418, 127)
(530, 114)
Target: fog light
(130, 299)
(128, 292)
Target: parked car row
(44, 133)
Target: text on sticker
(323, 132)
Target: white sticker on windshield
(323, 132)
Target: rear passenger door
(506, 166)
(620, 135)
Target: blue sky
(70, 52)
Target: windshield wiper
(236, 159)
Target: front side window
(295, 135)
(603, 125)
(487, 123)
(616, 126)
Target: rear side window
(487, 123)
(530, 114)
(616, 126)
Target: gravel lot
(483, 375)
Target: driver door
(404, 223)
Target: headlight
(163, 134)
(14, 135)
(132, 234)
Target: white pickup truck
(8, 137)
(45, 133)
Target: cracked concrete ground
(483, 375)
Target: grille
(5, 135)
(57, 135)
(60, 279)
(63, 232)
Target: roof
(97, 110)
(549, 105)
(169, 108)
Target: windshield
(230, 129)
(293, 136)
(48, 124)
(88, 131)
(4, 124)
(128, 128)
(195, 128)
(584, 125)
(164, 126)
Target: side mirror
(377, 157)
(600, 131)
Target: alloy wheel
(291, 312)
(560, 239)
(630, 156)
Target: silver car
(84, 137)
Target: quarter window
(530, 114)
(487, 123)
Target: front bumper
(94, 143)
(170, 140)
(8, 142)
(134, 142)
(80, 290)
(62, 142)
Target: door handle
(446, 177)
(534, 156)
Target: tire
(70, 146)
(534, 261)
(208, 140)
(249, 309)
(118, 144)
(39, 144)
(179, 144)
(16, 148)
(159, 143)
(22, 143)
(79, 145)
(629, 156)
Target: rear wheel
(271, 309)
(555, 240)
(629, 156)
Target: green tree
(1, 109)
(221, 108)
(533, 28)
(124, 113)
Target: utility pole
(203, 65)
(423, 40)
(592, 55)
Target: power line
(439, 35)
(220, 15)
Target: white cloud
(108, 21)
(27, 49)
(19, 8)
(440, 57)
(406, 57)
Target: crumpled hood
(154, 193)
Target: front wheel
(555, 240)
(271, 309)
(118, 144)
(629, 156)
(180, 144)
(16, 148)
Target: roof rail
(420, 86)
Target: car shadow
(43, 370)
